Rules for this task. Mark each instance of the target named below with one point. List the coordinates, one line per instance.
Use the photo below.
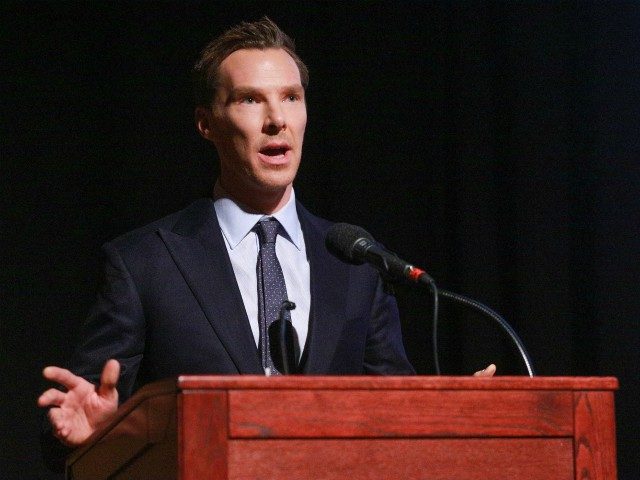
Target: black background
(496, 145)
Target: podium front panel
(218, 428)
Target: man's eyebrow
(240, 91)
(296, 87)
(293, 86)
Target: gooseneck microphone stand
(478, 307)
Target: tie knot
(268, 229)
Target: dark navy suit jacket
(170, 305)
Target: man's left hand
(487, 372)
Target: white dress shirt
(243, 246)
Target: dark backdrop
(495, 145)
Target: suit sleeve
(115, 327)
(384, 350)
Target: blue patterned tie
(272, 290)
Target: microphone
(283, 340)
(286, 307)
(356, 246)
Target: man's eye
(293, 98)
(248, 100)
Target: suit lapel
(197, 247)
(328, 297)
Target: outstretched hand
(487, 372)
(82, 409)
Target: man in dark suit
(179, 295)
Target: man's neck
(259, 202)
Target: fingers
(59, 424)
(51, 398)
(57, 419)
(62, 376)
(487, 372)
(109, 379)
(75, 414)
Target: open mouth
(274, 151)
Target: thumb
(487, 372)
(109, 379)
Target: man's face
(257, 122)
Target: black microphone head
(342, 239)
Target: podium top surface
(200, 382)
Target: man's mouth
(274, 151)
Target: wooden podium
(246, 427)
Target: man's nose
(275, 119)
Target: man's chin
(275, 188)
(276, 178)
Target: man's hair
(262, 34)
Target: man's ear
(204, 122)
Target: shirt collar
(236, 222)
